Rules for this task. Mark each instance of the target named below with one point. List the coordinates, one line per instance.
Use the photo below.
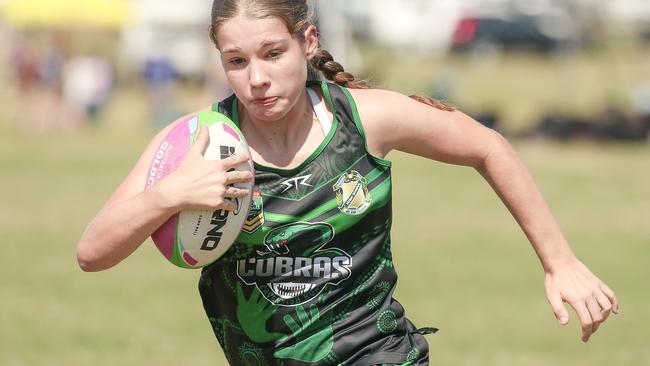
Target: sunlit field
(464, 265)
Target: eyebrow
(271, 42)
(265, 43)
(231, 50)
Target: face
(264, 64)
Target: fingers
(233, 192)
(592, 312)
(605, 305)
(238, 176)
(585, 319)
(596, 315)
(600, 308)
(558, 308)
(234, 160)
(612, 298)
(202, 140)
(229, 204)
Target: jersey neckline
(335, 121)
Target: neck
(286, 134)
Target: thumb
(558, 308)
(202, 140)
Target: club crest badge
(352, 195)
(255, 218)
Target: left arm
(400, 123)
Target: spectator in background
(50, 69)
(24, 61)
(160, 77)
(87, 85)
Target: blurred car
(644, 34)
(546, 34)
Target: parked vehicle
(546, 34)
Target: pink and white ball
(194, 239)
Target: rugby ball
(194, 239)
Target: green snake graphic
(277, 240)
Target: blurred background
(86, 84)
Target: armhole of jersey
(357, 122)
(215, 106)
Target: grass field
(464, 265)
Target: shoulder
(390, 105)
(382, 114)
(394, 121)
(378, 101)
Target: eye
(274, 55)
(236, 61)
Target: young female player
(310, 279)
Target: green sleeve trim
(357, 121)
(328, 98)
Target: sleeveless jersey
(310, 279)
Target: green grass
(464, 265)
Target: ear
(311, 42)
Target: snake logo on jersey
(294, 266)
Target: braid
(334, 71)
(438, 104)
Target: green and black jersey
(310, 279)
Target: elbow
(497, 146)
(87, 260)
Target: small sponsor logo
(255, 218)
(352, 195)
(296, 182)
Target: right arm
(133, 213)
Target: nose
(258, 75)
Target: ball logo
(226, 151)
(211, 241)
(157, 163)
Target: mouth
(267, 101)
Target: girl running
(310, 279)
